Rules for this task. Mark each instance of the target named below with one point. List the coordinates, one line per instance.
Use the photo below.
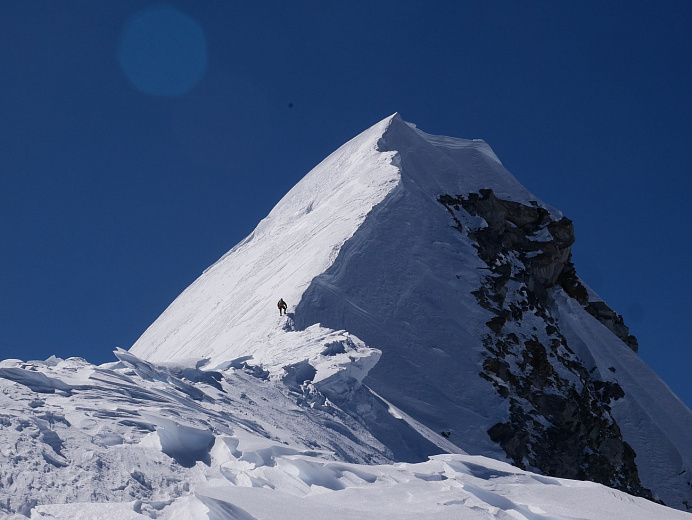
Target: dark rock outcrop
(543, 245)
(560, 421)
(613, 321)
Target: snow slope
(654, 421)
(362, 244)
(133, 440)
(231, 309)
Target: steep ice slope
(654, 421)
(230, 311)
(430, 252)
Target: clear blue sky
(124, 172)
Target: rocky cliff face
(560, 418)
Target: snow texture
(109, 444)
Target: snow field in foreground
(135, 440)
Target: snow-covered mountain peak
(436, 326)
(417, 269)
(227, 312)
(441, 164)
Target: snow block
(343, 364)
(36, 381)
(184, 443)
(298, 374)
(172, 374)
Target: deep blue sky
(122, 177)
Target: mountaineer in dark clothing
(282, 306)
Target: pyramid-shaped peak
(229, 311)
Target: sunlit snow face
(163, 51)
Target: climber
(282, 306)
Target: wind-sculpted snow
(135, 431)
(37, 381)
(129, 441)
